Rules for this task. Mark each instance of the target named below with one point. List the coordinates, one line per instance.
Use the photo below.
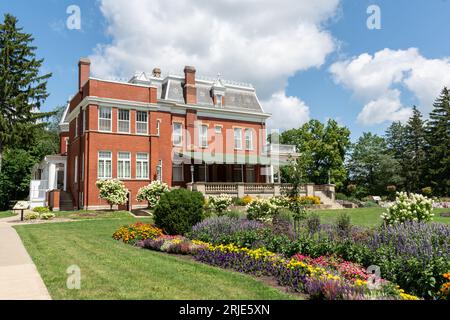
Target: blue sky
(404, 24)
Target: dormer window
(219, 101)
(218, 92)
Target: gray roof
(238, 96)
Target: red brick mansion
(187, 131)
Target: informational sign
(21, 205)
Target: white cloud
(387, 108)
(287, 112)
(375, 80)
(263, 42)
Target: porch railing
(238, 189)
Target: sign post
(21, 205)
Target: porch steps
(328, 201)
(66, 203)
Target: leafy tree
(371, 166)
(22, 88)
(438, 138)
(15, 176)
(322, 148)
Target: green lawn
(6, 214)
(369, 217)
(114, 270)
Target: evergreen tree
(22, 88)
(414, 156)
(396, 144)
(438, 137)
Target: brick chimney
(84, 70)
(190, 91)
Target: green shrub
(409, 207)
(220, 204)
(113, 191)
(32, 216)
(262, 210)
(178, 210)
(239, 202)
(47, 216)
(427, 191)
(41, 209)
(234, 214)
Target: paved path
(19, 278)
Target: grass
(369, 217)
(6, 214)
(114, 270)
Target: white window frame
(75, 178)
(158, 127)
(82, 167)
(141, 164)
(179, 136)
(159, 171)
(104, 160)
(122, 162)
(203, 136)
(84, 121)
(178, 165)
(236, 147)
(76, 127)
(218, 129)
(121, 121)
(143, 123)
(248, 144)
(100, 119)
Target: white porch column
(51, 176)
(272, 180)
(65, 175)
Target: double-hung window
(141, 122)
(203, 136)
(104, 119)
(124, 165)
(238, 138)
(177, 134)
(124, 121)
(142, 166)
(248, 139)
(104, 165)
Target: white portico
(49, 174)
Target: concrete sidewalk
(19, 278)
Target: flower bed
(172, 244)
(317, 281)
(136, 232)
